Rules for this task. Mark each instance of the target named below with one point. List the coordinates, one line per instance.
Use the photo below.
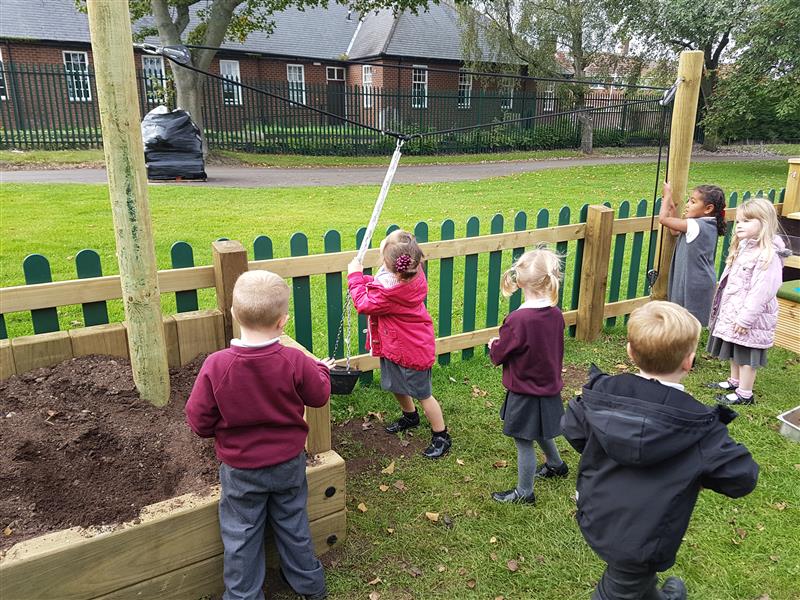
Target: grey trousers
(627, 584)
(250, 498)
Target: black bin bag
(173, 148)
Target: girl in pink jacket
(401, 332)
(745, 311)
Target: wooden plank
(633, 225)
(318, 264)
(594, 272)
(171, 340)
(230, 261)
(787, 332)
(107, 340)
(204, 578)
(171, 535)
(791, 197)
(42, 350)
(199, 332)
(63, 293)
(681, 139)
(7, 366)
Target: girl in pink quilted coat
(745, 311)
(401, 332)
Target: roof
(317, 32)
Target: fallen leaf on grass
(512, 565)
(399, 485)
(493, 556)
(374, 596)
(774, 557)
(499, 598)
(366, 426)
(467, 479)
(375, 581)
(383, 487)
(621, 367)
(797, 466)
(404, 443)
(742, 533)
(388, 470)
(453, 379)
(441, 568)
(488, 404)
(414, 571)
(390, 530)
(478, 392)
(500, 464)
(378, 416)
(362, 507)
(471, 584)
(492, 540)
(539, 558)
(459, 462)
(433, 517)
(7, 531)
(779, 506)
(462, 571)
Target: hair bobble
(722, 214)
(402, 263)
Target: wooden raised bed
(173, 550)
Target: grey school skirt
(409, 382)
(741, 355)
(532, 417)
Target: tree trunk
(587, 133)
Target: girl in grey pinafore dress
(692, 278)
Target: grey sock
(550, 450)
(526, 466)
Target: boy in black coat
(648, 448)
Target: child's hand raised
(667, 205)
(355, 266)
(328, 362)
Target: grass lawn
(40, 159)
(744, 549)
(69, 218)
(734, 550)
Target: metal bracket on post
(178, 54)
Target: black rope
(652, 273)
(454, 72)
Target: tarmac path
(275, 177)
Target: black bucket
(343, 380)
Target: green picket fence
(464, 290)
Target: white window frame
(367, 77)
(149, 73)
(231, 93)
(77, 80)
(3, 86)
(507, 94)
(336, 71)
(549, 103)
(297, 86)
(419, 83)
(464, 90)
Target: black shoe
(720, 385)
(440, 445)
(674, 589)
(320, 596)
(547, 471)
(402, 424)
(723, 399)
(513, 497)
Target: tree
(214, 21)
(665, 27)
(530, 31)
(760, 96)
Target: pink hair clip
(402, 263)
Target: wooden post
(594, 272)
(112, 49)
(791, 198)
(230, 261)
(684, 116)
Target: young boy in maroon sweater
(251, 398)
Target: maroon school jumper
(252, 400)
(531, 350)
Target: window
(296, 76)
(549, 103)
(366, 85)
(464, 90)
(231, 92)
(335, 73)
(419, 87)
(154, 78)
(3, 92)
(76, 66)
(507, 95)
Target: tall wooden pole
(684, 116)
(112, 49)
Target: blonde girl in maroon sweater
(530, 347)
